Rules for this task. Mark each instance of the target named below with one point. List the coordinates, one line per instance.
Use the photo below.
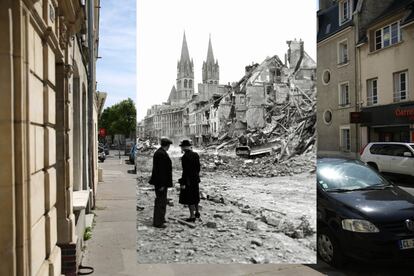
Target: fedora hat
(164, 141)
(185, 143)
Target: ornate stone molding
(63, 33)
(68, 70)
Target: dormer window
(344, 11)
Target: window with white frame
(372, 91)
(400, 86)
(343, 52)
(345, 11)
(345, 138)
(387, 35)
(344, 94)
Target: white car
(389, 157)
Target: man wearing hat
(189, 182)
(161, 178)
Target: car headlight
(359, 225)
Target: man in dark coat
(161, 178)
(189, 182)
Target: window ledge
(343, 22)
(385, 48)
(344, 106)
(343, 64)
(80, 200)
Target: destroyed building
(218, 111)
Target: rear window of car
(412, 146)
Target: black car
(362, 215)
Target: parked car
(105, 147)
(389, 157)
(132, 154)
(361, 215)
(101, 154)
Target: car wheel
(328, 248)
(373, 165)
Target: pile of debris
(267, 166)
(146, 147)
(293, 125)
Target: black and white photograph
(226, 114)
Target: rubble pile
(147, 147)
(289, 133)
(293, 125)
(266, 166)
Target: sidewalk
(112, 248)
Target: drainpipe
(91, 89)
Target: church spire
(185, 76)
(210, 55)
(185, 56)
(211, 69)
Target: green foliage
(87, 234)
(119, 118)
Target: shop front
(389, 123)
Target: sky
(242, 32)
(116, 70)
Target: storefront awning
(392, 114)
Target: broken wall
(223, 113)
(255, 117)
(255, 99)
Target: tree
(119, 118)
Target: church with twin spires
(183, 91)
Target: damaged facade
(218, 111)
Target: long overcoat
(161, 170)
(190, 178)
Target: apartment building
(364, 74)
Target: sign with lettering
(405, 112)
(392, 114)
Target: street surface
(244, 219)
(112, 249)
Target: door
(399, 163)
(380, 156)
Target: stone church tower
(185, 76)
(211, 70)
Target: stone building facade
(48, 147)
(364, 53)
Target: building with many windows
(385, 49)
(364, 74)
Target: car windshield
(348, 176)
(412, 146)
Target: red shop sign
(406, 112)
(102, 132)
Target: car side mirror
(407, 154)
